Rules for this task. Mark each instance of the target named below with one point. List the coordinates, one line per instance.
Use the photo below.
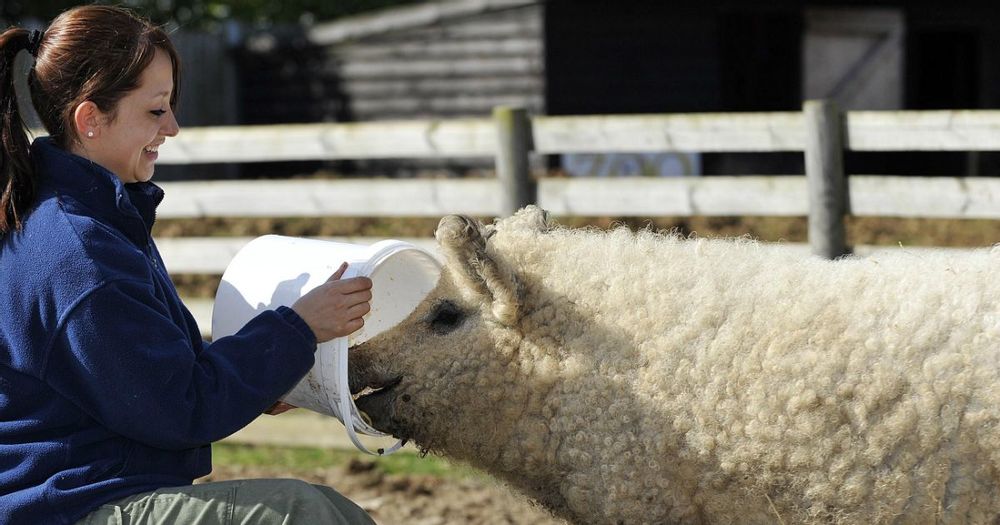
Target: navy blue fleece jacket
(106, 388)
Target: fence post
(514, 144)
(824, 152)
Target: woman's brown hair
(95, 53)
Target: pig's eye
(445, 317)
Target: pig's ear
(530, 219)
(464, 243)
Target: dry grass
(861, 230)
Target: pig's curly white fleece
(726, 381)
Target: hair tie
(34, 41)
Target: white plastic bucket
(273, 271)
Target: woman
(109, 399)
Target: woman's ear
(87, 119)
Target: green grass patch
(308, 458)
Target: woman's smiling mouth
(152, 151)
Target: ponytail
(17, 185)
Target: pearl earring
(90, 134)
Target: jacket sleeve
(122, 360)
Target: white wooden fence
(820, 131)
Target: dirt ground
(397, 499)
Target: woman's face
(127, 145)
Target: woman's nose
(170, 127)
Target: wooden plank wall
(464, 67)
(460, 67)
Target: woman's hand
(279, 407)
(335, 308)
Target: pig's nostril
(392, 382)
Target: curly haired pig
(620, 377)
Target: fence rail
(967, 130)
(869, 195)
(825, 194)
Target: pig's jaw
(391, 410)
(386, 400)
(374, 388)
(377, 405)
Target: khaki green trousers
(239, 502)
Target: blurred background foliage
(206, 14)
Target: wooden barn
(458, 58)
(719, 55)
(439, 59)
(433, 60)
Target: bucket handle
(348, 410)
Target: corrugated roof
(408, 17)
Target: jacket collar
(93, 187)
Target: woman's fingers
(354, 284)
(353, 325)
(358, 310)
(360, 296)
(339, 273)
(279, 407)
(336, 307)
(348, 287)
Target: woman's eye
(159, 112)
